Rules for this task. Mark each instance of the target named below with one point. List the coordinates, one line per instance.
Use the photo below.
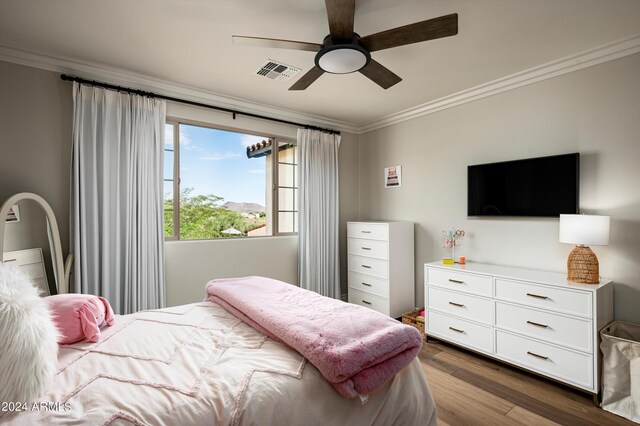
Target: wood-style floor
(470, 389)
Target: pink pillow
(79, 316)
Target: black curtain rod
(81, 80)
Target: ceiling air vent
(277, 70)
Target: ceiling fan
(344, 51)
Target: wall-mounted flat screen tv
(544, 187)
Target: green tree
(203, 217)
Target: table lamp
(584, 231)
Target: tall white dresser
(531, 319)
(381, 268)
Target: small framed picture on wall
(13, 215)
(393, 177)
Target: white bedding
(197, 364)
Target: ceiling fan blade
(443, 26)
(380, 75)
(274, 42)
(305, 81)
(340, 14)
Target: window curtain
(318, 239)
(116, 213)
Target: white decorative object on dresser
(32, 262)
(531, 319)
(381, 268)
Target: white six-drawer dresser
(381, 268)
(531, 319)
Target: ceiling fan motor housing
(342, 56)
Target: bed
(198, 364)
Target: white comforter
(197, 364)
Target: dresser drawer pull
(537, 356)
(537, 324)
(366, 266)
(459, 305)
(364, 301)
(457, 330)
(537, 296)
(366, 232)
(456, 281)
(10, 260)
(365, 248)
(367, 284)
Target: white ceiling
(189, 42)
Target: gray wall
(35, 138)
(191, 264)
(35, 153)
(595, 111)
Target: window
(287, 187)
(220, 184)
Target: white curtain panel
(117, 218)
(318, 235)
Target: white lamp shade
(582, 229)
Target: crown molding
(121, 77)
(549, 70)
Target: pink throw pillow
(79, 316)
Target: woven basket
(582, 266)
(411, 318)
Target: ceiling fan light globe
(342, 60)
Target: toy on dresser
(453, 238)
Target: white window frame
(176, 122)
(276, 185)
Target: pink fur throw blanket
(355, 348)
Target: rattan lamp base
(582, 266)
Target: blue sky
(215, 162)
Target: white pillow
(28, 352)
